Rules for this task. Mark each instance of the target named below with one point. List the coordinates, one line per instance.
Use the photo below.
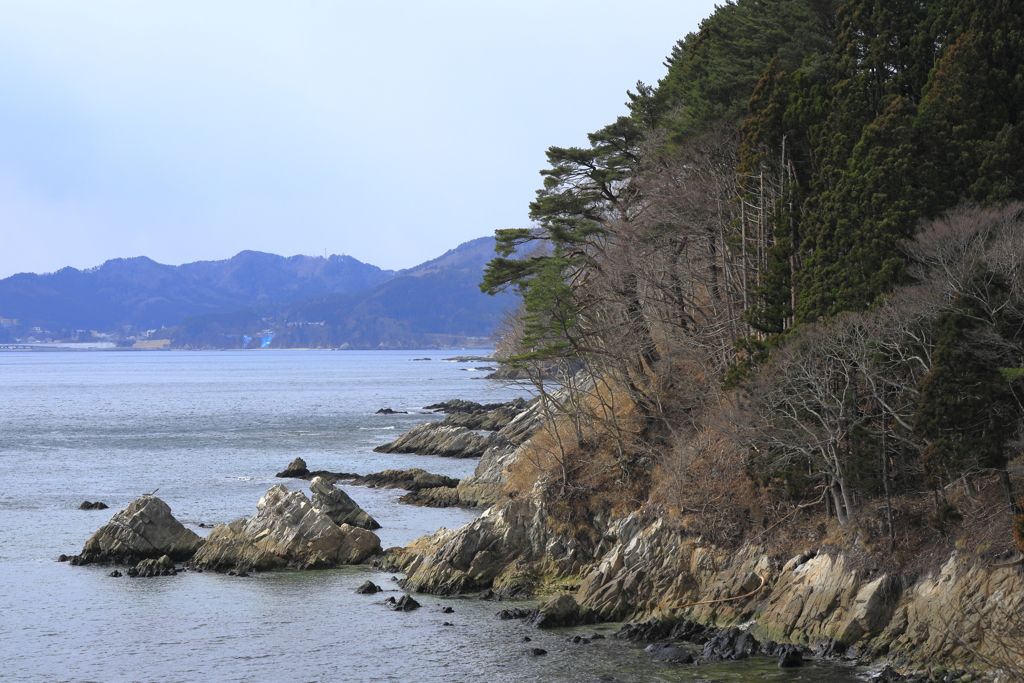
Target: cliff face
(641, 567)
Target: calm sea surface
(210, 429)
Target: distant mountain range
(262, 300)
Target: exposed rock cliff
(485, 486)
(144, 529)
(638, 569)
(288, 530)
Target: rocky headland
(675, 585)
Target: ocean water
(210, 429)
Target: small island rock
(287, 531)
(144, 529)
(368, 588)
(295, 470)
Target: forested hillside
(793, 275)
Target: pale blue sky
(186, 130)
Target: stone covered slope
(287, 531)
(641, 568)
(145, 529)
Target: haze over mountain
(278, 301)
(145, 294)
(435, 304)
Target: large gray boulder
(145, 529)
(287, 531)
(337, 505)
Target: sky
(191, 130)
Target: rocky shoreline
(670, 584)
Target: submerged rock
(98, 505)
(791, 657)
(664, 652)
(337, 505)
(413, 479)
(403, 604)
(144, 529)
(287, 531)
(368, 588)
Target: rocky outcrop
(438, 438)
(491, 417)
(337, 505)
(297, 470)
(144, 529)
(368, 588)
(745, 600)
(98, 505)
(510, 549)
(457, 405)
(412, 479)
(561, 610)
(487, 482)
(287, 531)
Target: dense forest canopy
(796, 260)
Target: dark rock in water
(526, 639)
(791, 657)
(388, 411)
(666, 652)
(412, 479)
(115, 574)
(369, 588)
(296, 469)
(561, 610)
(403, 604)
(594, 636)
(488, 594)
(514, 613)
(730, 644)
(447, 623)
(420, 359)
(538, 651)
(579, 640)
(63, 558)
(144, 529)
(132, 571)
(829, 648)
(447, 610)
(98, 505)
(337, 505)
